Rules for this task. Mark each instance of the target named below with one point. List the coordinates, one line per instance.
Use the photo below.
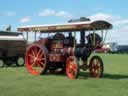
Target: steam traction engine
(60, 51)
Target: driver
(93, 39)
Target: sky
(35, 12)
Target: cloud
(47, 12)
(25, 19)
(51, 12)
(64, 14)
(101, 16)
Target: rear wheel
(36, 59)
(96, 67)
(72, 67)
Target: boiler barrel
(83, 52)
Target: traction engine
(60, 53)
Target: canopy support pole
(94, 42)
(82, 37)
(35, 36)
(74, 40)
(27, 35)
(102, 35)
(105, 36)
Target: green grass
(18, 82)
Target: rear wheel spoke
(39, 52)
(35, 50)
(33, 64)
(41, 59)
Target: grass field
(18, 82)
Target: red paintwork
(102, 50)
(56, 58)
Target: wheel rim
(72, 67)
(20, 61)
(1, 63)
(96, 67)
(36, 60)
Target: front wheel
(72, 67)
(96, 67)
